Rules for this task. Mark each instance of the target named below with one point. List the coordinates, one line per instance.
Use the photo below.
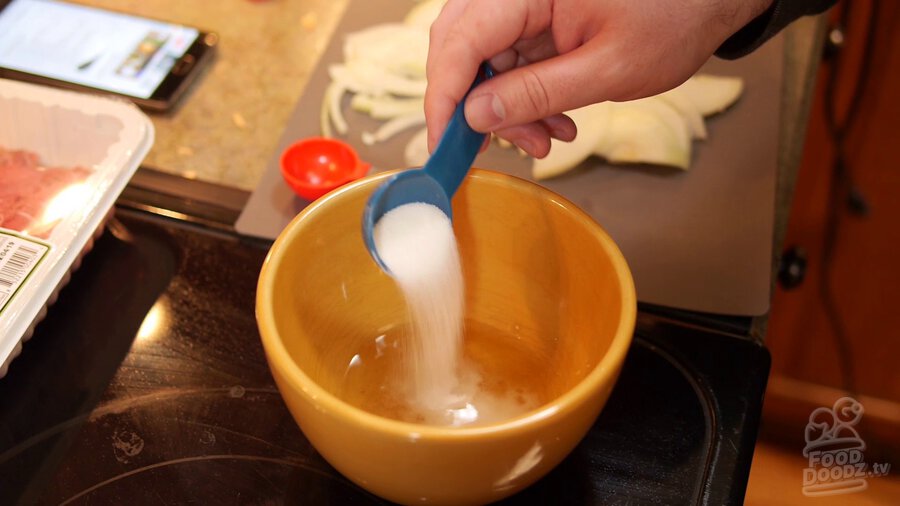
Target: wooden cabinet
(840, 327)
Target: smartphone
(78, 47)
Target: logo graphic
(835, 451)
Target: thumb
(538, 90)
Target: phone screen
(91, 47)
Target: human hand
(553, 56)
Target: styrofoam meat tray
(88, 148)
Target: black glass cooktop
(147, 384)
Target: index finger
(439, 108)
(466, 33)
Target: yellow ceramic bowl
(538, 271)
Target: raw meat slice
(27, 189)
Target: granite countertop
(228, 124)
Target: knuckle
(535, 92)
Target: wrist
(731, 16)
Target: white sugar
(417, 244)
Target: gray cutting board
(699, 240)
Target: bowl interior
(547, 293)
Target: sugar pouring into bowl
(408, 230)
(548, 312)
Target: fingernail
(485, 112)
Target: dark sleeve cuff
(780, 14)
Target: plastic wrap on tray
(64, 159)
